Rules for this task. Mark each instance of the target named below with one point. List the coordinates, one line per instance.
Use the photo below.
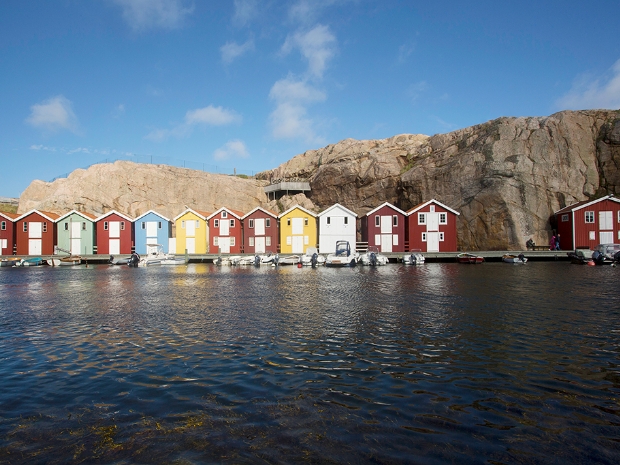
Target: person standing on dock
(552, 242)
(557, 242)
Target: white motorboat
(342, 256)
(242, 261)
(118, 261)
(289, 260)
(415, 257)
(312, 257)
(268, 258)
(511, 258)
(373, 257)
(171, 259)
(154, 255)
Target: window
(423, 237)
(216, 223)
(232, 241)
(105, 225)
(305, 221)
(618, 216)
(443, 218)
(346, 220)
(232, 223)
(589, 217)
(421, 218)
(288, 221)
(224, 214)
(182, 224)
(45, 226)
(83, 225)
(432, 208)
(377, 239)
(159, 225)
(377, 221)
(66, 226)
(394, 239)
(268, 241)
(565, 218)
(592, 235)
(394, 220)
(3, 226)
(143, 225)
(122, 225)
(251, 225)
(25, 226)
(288, 240)
(268, 222)
(306, 240)
(251, 243)
(216, 241)
(441, 237)
(329, 220)
(197, 224)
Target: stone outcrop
(134, 188)
(506, 177)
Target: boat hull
(469, 259)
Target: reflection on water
(432, 364)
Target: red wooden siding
(234, 230)
(271, 231)
(589, 223)
(370, 230)
(7, 232)
(446, 231)
(48, 232)
(103, 235)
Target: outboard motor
(373, 259)
(598, 257)
(256, 260)
(276, 260)
(218, 261)
(134, 260)
(617, 257)
(111, 259)
(522, 257)
(314, 260)
(413, 260)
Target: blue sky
(248, 84)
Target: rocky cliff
(506, 177)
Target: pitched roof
(262, 209)
(422, 205)
(113, 212)
(236, 213)
(337, 205)
(47, 215)
(293, 208)
(384, 205)
(199, 213)
(586, 203)
(154, 213)
(88, 216)
(9, 216)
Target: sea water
(441, 363)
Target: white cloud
(307, 11)
(232, 149)
(148, 14)
(80, 150)
(289, 118)
(211, 116)
(214, 116)
(405, 51)
(318, 46)
(53, 115)
(589, 92)
(245, 11)
(42, 147)
(232, 50)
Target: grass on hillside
(8, 208)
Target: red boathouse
(114, 234)
(7, 232)
(35, 233)
(431, 227)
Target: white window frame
(377, 221)
(122, 225)
(421, 218)
(251, 242)
(432, 208)
(443, 218)
(288, 221)
(224, 214)
(105, 225)
(159, 225)
(592, 235)
(395, 220)
(329, 220)
(45, 226)
(423, 237)
(251, 224)
(267, 241)
(216, 223)
(144, 225)
(441, 237)
(197, 224)
(305, 221)
(589, 217)
(289, 240)
(3, 226)
(216, 241)
(66, 226)
(346, 220)
(83, 225)
(232, 223)
(182, 224)
(268, 222)
(232, 241)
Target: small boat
(312, 258)
(342, 256)
(154, 255)
(242, 260)
(71, 260)
(289, 260)
(510, 258)
(13, 261)
(469, 258)
(606, 254)
(373, 257)
(268, 258)
(414, 258)
(34, 261)
(578, 258)
(222, 261)
(171, 259)
(134, 260)
(118, 261)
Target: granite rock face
(134, 188)
(506, 177)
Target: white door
(151, 229)
(34, 230)
(259, 245)
(432, 221)
(76, 238)
(224, 244)
(190, 228)
(605, 221)
(224, 227)
(259, 227)
(115, 229)
(190, 244)
(386, 225)
(35, 246)
(386, 240)
(115, 246)
(298, 243)
(298, 225)
(432, 242)
(606, 237)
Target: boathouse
(75, 233)
(7, 232)
(584, 225)
(431, 227)
(152, 228)
(298, 230)
(191, 232)
(115, 234)
(35, 233)
(225, 232)
(337, 223)
(384, 228)
(260, 231)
